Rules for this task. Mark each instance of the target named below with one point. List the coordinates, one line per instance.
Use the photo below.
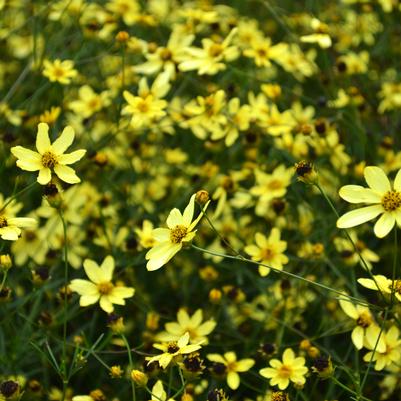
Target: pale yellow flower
(233, 366)
(50, 156)
(173, 350)
(290, 369)
(59, 71)
(384, 200)
(169, 241)
(386, 285)
(100, 288)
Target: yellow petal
(233, 380)
(64, 141)
(45, 175)
(66, 174)
(87, 300)
(357, 337)
(359, 216)
(105, 304)
(397, 181)
(108, 267)
(359, 194)
(83, 287)
(377, 179)
(93, 271)
(175, 219)
(189, 212)
(42, 138)
(71, 158)
(384, 225)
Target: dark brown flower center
(178, 233)
(49, 159)
(391, 201)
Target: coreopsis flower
(10, 225)
(50, 156)
(263, 52)
(391, 353)
(89, 102)
(366, 331)
(173, 350)
(232, 366)
(211, 58)
(59, 71)
(148, 106)
(169, 241)
(384, 200)
(268, 251)
(282, 372)
(386, 285)
(198, 330)
(100, 287)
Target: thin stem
(4, 280)
(283, 272)
(344, 387)
(131, 365)
(64, 355)
(16, 195)
(395, 251)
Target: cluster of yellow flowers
(241, 125)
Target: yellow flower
(197, 330)
(10, 226)
(100, 288)
(366, 329)
(382, 197)
(232, 366)
(89, 102)
(147, 106)
(268, 251)
(50, 156)
(170, 240)
(172, 350)
(290, 369)
(391, 353)
(59, 71)
(386, 285)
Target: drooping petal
(359, 216)
(359, 194)
(42, 138)
(160, 254)
(70, 158)
(45, 175)
(233, 380)
(105, 304)
(384, 225)
(377, 179)
(64, 141)
(66, 174)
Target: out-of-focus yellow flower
(59, 71)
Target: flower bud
(5, 262)
(140, 378)
(202, 197)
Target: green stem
(64, 355)
(17, 194)
(395, 260)
(131, 365)
(283, 272)
(4, 280)
(344, 387)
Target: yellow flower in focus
(290, 369)
(100, 288)
(384, 200)
(50, 156)
(59, 71)
(268, 251)
(170, 240)
(366, 330)
(232, 366)
(198, 330)
(172, 350)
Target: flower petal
(106, 305)
(377, 179)
(108, 267)
(72, 157)
(359, 194)
(397, 181)
(359, 216)
(384, 225)
(42, 138)
(64, 141)
(93, 271)
(45, 175)
(66, 174)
